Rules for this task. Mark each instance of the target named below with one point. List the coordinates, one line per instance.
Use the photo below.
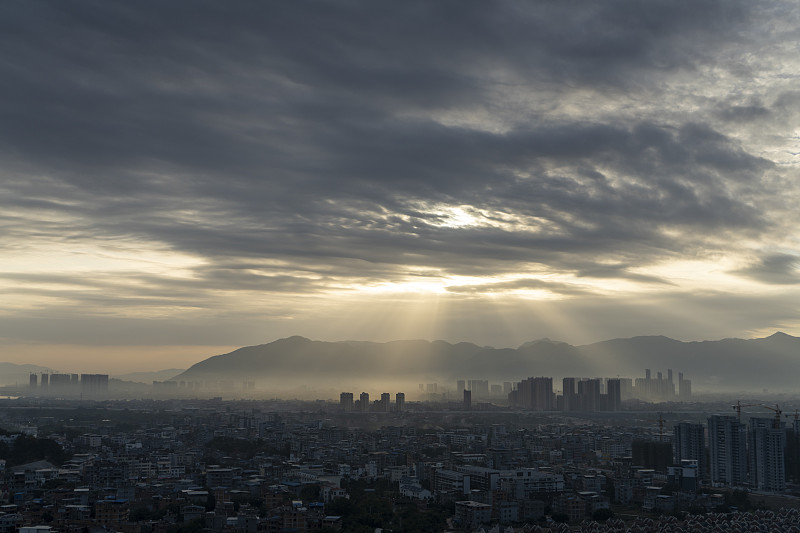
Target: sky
(182, 178)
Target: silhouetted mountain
(150, 377)
(14, 374)
(772, 362)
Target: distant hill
(150, 377)
(772, 362)
(14, 374)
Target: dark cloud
(300, 147)
(777, 269)
(743, 113)
(520, 285)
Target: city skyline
(182, 180)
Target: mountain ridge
(768, 362)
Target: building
(479, 387)
(385, 403)
(569, 387)
(727, 451)
(684, 476)
(471, 514)
(111, 512)
(684, 387)
(689, 443)
(652, 454)
(94, 383)
(536, 394)
(467, 400)
(60, 382)
(364, 402)
(346, 401)
(589, 394)
(767, 444)
(613, 394)
(399, 402)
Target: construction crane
(777, 411)
(739, 405)
(660, 421)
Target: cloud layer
(244, 166)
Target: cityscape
(597, 454)
(418, 266)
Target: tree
(211, 502)
(601, 515)
(310, 493)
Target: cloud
(302, 150)
(775, 269)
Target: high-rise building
(536, 394)
(613, 394)
(589, 394)
(364, 402)
(479, 387)
(346, 401)
(689, 443)
(684, 387)
(626, 388)
(467, 400)
(652, 454)
(727, 449)
(658, 389)
(94, 383)
(569, 388)
(386, 400)
(45, 381)
(34, 381)
(767, 444)
(399, 402)
(60, 382)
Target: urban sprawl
(600, 454)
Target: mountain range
(743, 364)
(149, 377)
(15, 374)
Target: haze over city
(182, 179)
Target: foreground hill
(772, 362)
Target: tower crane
(777, 410)
(660, 421)
(739, 405)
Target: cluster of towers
(660, 389)
(590, 395)
(578, 394)
(739, 454)
(363, 405)
(68, 384)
